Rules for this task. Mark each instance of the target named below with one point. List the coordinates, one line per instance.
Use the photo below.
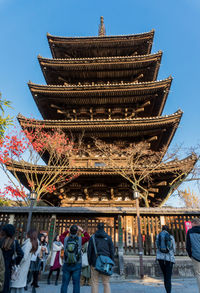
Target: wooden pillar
(120, 246)
(52, 228)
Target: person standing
(2, 270)
(29, 246)
(10, 249)
(85, 272)
(44, 251)
(72, 258)
(35, 266)
(193, 247)
(104, 247)
(166, 248)
(56, 261)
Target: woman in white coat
(30, 246)
(56, 261)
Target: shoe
(35, 285)
(48, 281)
(56, 283)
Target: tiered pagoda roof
(87, 47)
(145, 99)
(88, 70)
(106, 87)
(158, 131)
(115, 190)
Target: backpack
(72, 253)
(164, 242)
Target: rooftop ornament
(102, 31)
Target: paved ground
(149, 285)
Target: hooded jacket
(193, 242)
(104, 246)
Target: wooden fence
(151, 222)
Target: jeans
(166, 268)
(69, 271)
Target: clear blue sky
(24, 24)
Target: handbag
(15, 268)
(104, 264)
(84, 260)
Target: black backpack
(71, 253)
(164, 242)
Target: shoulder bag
(104, 264)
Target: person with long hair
(56, 261)
(44, 251)
(29, 246)
(34, 266)
(10, 249)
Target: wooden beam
(138, 77)
(162, 183)
(61, 78)
(139, 110)
(156, 190)
(152, 138)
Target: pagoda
(106, 87)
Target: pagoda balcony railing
(95, 162)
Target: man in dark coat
(105, 247)
(193, 247)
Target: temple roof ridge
(178, 113)
(159, 53)
(102, 84)
(151, 32)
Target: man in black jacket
(105, 247)
(193, 247)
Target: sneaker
(48, 281)
(56, 283)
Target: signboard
(188, 225)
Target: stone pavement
(148, 285)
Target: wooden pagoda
(106, 87)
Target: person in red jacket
(72, 257)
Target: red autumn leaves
(26, 149)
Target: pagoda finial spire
(102, 31)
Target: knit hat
(73, 229)
(9, 230)
(100, 226)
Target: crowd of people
(80, 256)
(21, 266)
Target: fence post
(52, 228)
(120, 246)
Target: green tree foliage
(4, 120)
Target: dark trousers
(166, 268)
(57, 274)
(74, 272)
